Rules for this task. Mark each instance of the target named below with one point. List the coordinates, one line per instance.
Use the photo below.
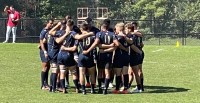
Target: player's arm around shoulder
(115, 41)
(83, 36)
(52, 32)
(138, 33)
(129, 38)
(71, 49)
(111, 49)
(96, 42)
(62, 37)
(123, 48)
(106, 46)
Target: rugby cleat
(93, 92)
(125, 92)
(136, 91)
(115, 91)
(84, 92)
(111, 85)
(105, 92)
(87, 85)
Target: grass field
(171, 76)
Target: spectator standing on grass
(13, 19)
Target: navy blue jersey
(43, 35)
(111, 30)
(122, 40)
(70, 41)
(77, 30)
(106, 37)
(52, 44)
(94, 29)
(140, 42)
(137, 41)
(86, 43)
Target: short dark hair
(88, 20)
(12, 6)
(130, 26)
(84, 26)
(135, 23)
(107, 21)
(105, 25)
(50, 20)
(70, 22)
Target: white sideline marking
(157, 50)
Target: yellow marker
(177, 44)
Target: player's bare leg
(44, 76)
(131, 77)
(125, 79)
(140, 72)
(117, 72)
(53, 77)
(100, 79)
(137, 77)
(62, 78)
(75, 77)
(82, 78)
(91, 72)
(107, 77)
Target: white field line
(158, 50)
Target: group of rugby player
(90, 53)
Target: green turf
(189, 41)
(171, 76)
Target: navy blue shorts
(42, 56)
(85, 61)
(53, 56)
(121, 60)
(103, 59)
(134, 59)
(142, 58)
(66, 58)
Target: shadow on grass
(147, 89)
(164, 89)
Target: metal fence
(156, 32)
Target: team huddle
(92, 54)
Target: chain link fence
(156, 32)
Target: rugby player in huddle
(121, 59)
(106, 41)
(43, 54)
(140, 45)
(95, 30)
(66, 47)
(86, 61)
